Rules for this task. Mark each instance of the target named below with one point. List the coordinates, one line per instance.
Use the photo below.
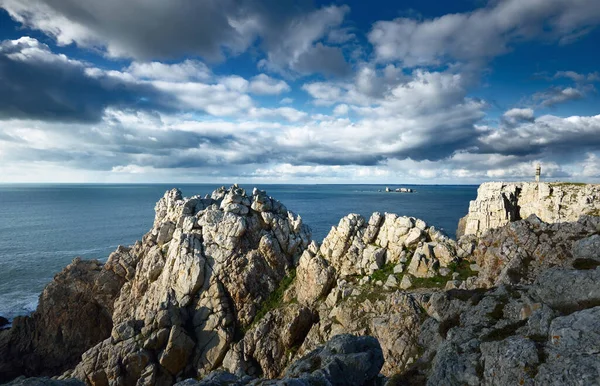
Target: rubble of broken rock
(229, 289)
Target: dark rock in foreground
(343, 360)
(22, 381)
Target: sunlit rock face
(499, 203)
(202, 271)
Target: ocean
(43, 227)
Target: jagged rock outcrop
(499, 203)
(360, 247)
(334, 280)
(204, 269)
(345, 360)
(500, 328)
(74, 313)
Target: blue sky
(299, 91)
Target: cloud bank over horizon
(297, 92)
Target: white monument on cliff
(538, 172)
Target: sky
(299, 91)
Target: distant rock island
(230, 289)
(399, 190)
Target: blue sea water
(43, 227)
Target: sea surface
(43, 227)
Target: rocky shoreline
(230, 289)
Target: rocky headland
(499, 203)
(230, 289)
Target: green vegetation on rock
(275, 299)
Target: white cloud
(235, 83)
(286, 101)
(554, 96)
(577, 77)
(482, 34)
(288, 113)
(342, 109)
(189, 70)
(263, 84)
(591, 166)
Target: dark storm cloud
(36, 84)
(324, 59)
(211, 29)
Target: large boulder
(314, 277)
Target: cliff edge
(499, 203)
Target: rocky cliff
(499, 203)
(74, 313)
(229, 289)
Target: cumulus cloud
(516, 115)
(342, 109)
(36, 83)
(484, 33)
(368, 118)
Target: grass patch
(595, 212)
(291, 351)
(383, 273)
(430, 282)
(372, 293)
(275, 299)
(568, 184)
(462, 268)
